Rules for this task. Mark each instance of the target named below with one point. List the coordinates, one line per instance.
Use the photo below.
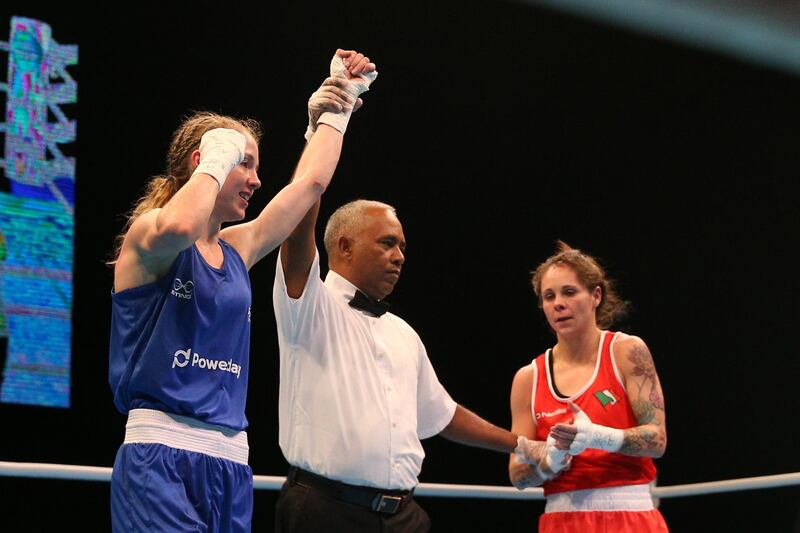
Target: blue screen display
(36, 217)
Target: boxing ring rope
(100, 473)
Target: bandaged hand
(592, 435)
(529, 451)
(221, 149)
(333, 97)
(358, 75)
(547, 459)
(555, 460)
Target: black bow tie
(368, 304)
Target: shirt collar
(339, 286)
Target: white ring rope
(728, 485)
(101, 473)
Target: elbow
(660, 446)
(317, 184)
(447, 433)
(311, 186)
(662, 450)
(318, 187)
(316, 180)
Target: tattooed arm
(638, 371)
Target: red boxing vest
(605, 401)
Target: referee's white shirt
(357, 393)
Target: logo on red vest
(605, 397)
(548, 414)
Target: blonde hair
(591, 275)
(185, 140)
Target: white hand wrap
(355, 86)
(541, 454)
(315, 103)
(221, 149)
(529, 451)
(594, 436)
(555, 460)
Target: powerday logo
(183, 358)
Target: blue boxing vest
(181, 344)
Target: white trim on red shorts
(622, 498)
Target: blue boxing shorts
(180, 476)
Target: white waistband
(148, 426)
(624, 498)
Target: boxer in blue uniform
(180, 333)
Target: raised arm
(156, 238)
(329, 111)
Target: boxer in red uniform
(593, 405)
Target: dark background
(494, 128)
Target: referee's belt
(378, 500)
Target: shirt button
(388, 388)
(394, 425)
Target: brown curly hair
(591, 275)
